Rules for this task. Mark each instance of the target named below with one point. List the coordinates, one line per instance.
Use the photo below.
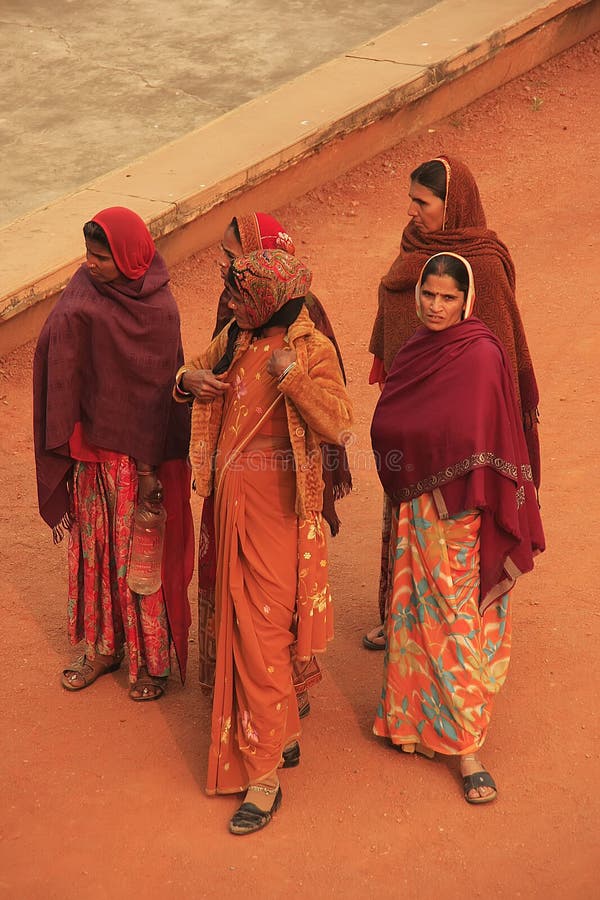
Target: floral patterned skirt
(444, 661)
(102, 610)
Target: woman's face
(425, 209)
(100, 262)
(237, 306)
(442, 302)
(230, 250)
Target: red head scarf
(267, 279)
(260, 231)
(130, 241)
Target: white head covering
(470, 298)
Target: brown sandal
(83, 672)
(147, 687)
(421, 749)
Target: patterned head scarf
(130, 241)
(469, 299)
(260, 231)
(267, 280)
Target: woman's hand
(202, 384)
(150, 491)
(280, 360)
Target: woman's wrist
(179, 385)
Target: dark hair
(444, 264)
(432, 175)
(236, 229)
(94, 232)
(230, 279)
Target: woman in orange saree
(453, 460)
(243, 235)
(268, 390)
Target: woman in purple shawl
(452, 457)
(109, 437)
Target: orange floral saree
(445, 661)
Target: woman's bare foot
(262, 795)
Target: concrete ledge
(285, 143)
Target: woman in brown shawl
(451, 455)
(109, 438)
(246, 234)
(447, 215)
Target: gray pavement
(88, 87)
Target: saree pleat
(444, 661)
(253, 717)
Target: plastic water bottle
(144, 575)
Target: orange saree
(263, 595)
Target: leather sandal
(374, 639)
(478, 780)
(421, 749)
(249, 818)
(83, 671)
(147, 687)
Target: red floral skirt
(102, 610)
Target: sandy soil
(103, 798)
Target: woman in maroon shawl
(109, 437)
(446, 214)
(451, 455)
(243, 235)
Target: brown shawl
(107, 357)
(464, 232)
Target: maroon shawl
(464, 232)
(448, 422)
(107, 357)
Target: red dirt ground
(103, 798)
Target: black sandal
(478, 780)
(375, 643)
(250, 818)
(291, 756)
